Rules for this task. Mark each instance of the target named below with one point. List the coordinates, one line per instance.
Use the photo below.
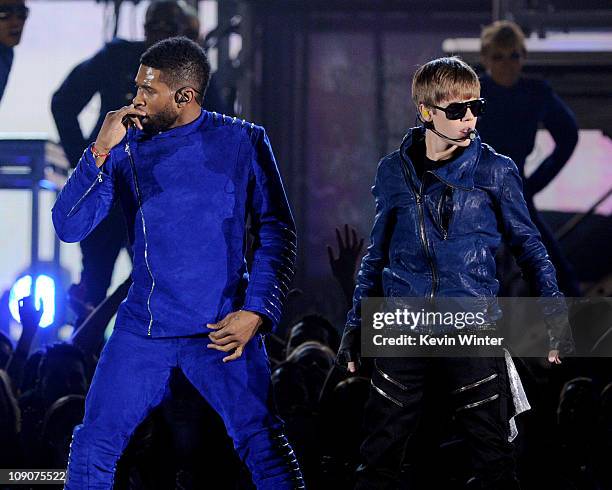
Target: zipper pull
(99, 177)
(444, 234)
(418, 198)
(127, 148)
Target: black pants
(479, 393)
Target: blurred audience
(312, 328)
(29, 315)
(56, 432)
(6, 349)
(10, 419)
(61, 372)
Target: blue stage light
(44, 295)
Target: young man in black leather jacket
(444, 203)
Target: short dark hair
(182, 63)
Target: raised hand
(29, 315)
(344, 265)
(553, 357)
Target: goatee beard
(160, 122)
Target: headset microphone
(430, 125)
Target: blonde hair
(444, 79)
(501, 34)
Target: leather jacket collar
(460, 173)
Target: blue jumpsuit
(186, 194)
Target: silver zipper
(98, 179)
(386, 395)
(477, 404)
(475, 384)
(144, 233)
(389, 378)
(425, 243)
(418, 194)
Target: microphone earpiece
(181, 98)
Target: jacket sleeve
(526, 245)
(275, 239)
(369, 278)
(85, 200)
(69, 100)
(561, 124)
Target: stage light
(44, 294)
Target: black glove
(560, 333)
(350, 347)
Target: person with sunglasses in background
(445, 201)
(517, 107)
(13, 14)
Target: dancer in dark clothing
(516, 107)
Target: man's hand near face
(233, 332)
(114, 128)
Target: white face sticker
(149, 76)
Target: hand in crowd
(553, 357)
(344, 265)
(29, 315)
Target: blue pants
(132, 377)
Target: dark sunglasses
(20, 11)
(458, 110)
(514, 56)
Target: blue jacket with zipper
(187, 194)
(438, 236)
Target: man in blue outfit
(13, 14)
(187, 181)
(444, 203)
(110, 73)
(516, 107)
